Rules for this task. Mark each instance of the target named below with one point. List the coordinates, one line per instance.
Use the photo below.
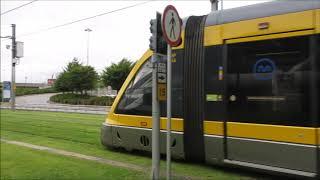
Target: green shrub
(78, 99)
(20, 91)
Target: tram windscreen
(137, 99)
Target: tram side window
(137, 99)
(269, 81)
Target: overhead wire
(84, 19)
(18, 7)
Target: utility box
(19, 49)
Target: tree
(73, 64)
(61, 83)
(115, 74)
(77, 78)
(83, 78)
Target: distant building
(51, 82)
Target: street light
(88, 30)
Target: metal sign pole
(169, 112)
(13, 69)
(155, 123)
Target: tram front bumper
(106, 135)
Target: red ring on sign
(178, 41)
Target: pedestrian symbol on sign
(173, 24)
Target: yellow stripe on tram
(145, 122)
(290, 134)
(279, 26)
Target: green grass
(24, 163)
(81, 133)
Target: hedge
(78, 99)
(26, 91)
(20, 91)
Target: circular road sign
(171, 26)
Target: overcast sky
(122, 34)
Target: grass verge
(23, 163)
(81, 133)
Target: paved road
(41, 102)
(39, 99)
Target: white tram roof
(258, 11)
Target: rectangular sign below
(162, 68)
(162, 92)
(162, 78)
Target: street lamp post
(88, 30)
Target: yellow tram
(245, 91)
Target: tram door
(269, 104)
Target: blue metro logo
(263, 69)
